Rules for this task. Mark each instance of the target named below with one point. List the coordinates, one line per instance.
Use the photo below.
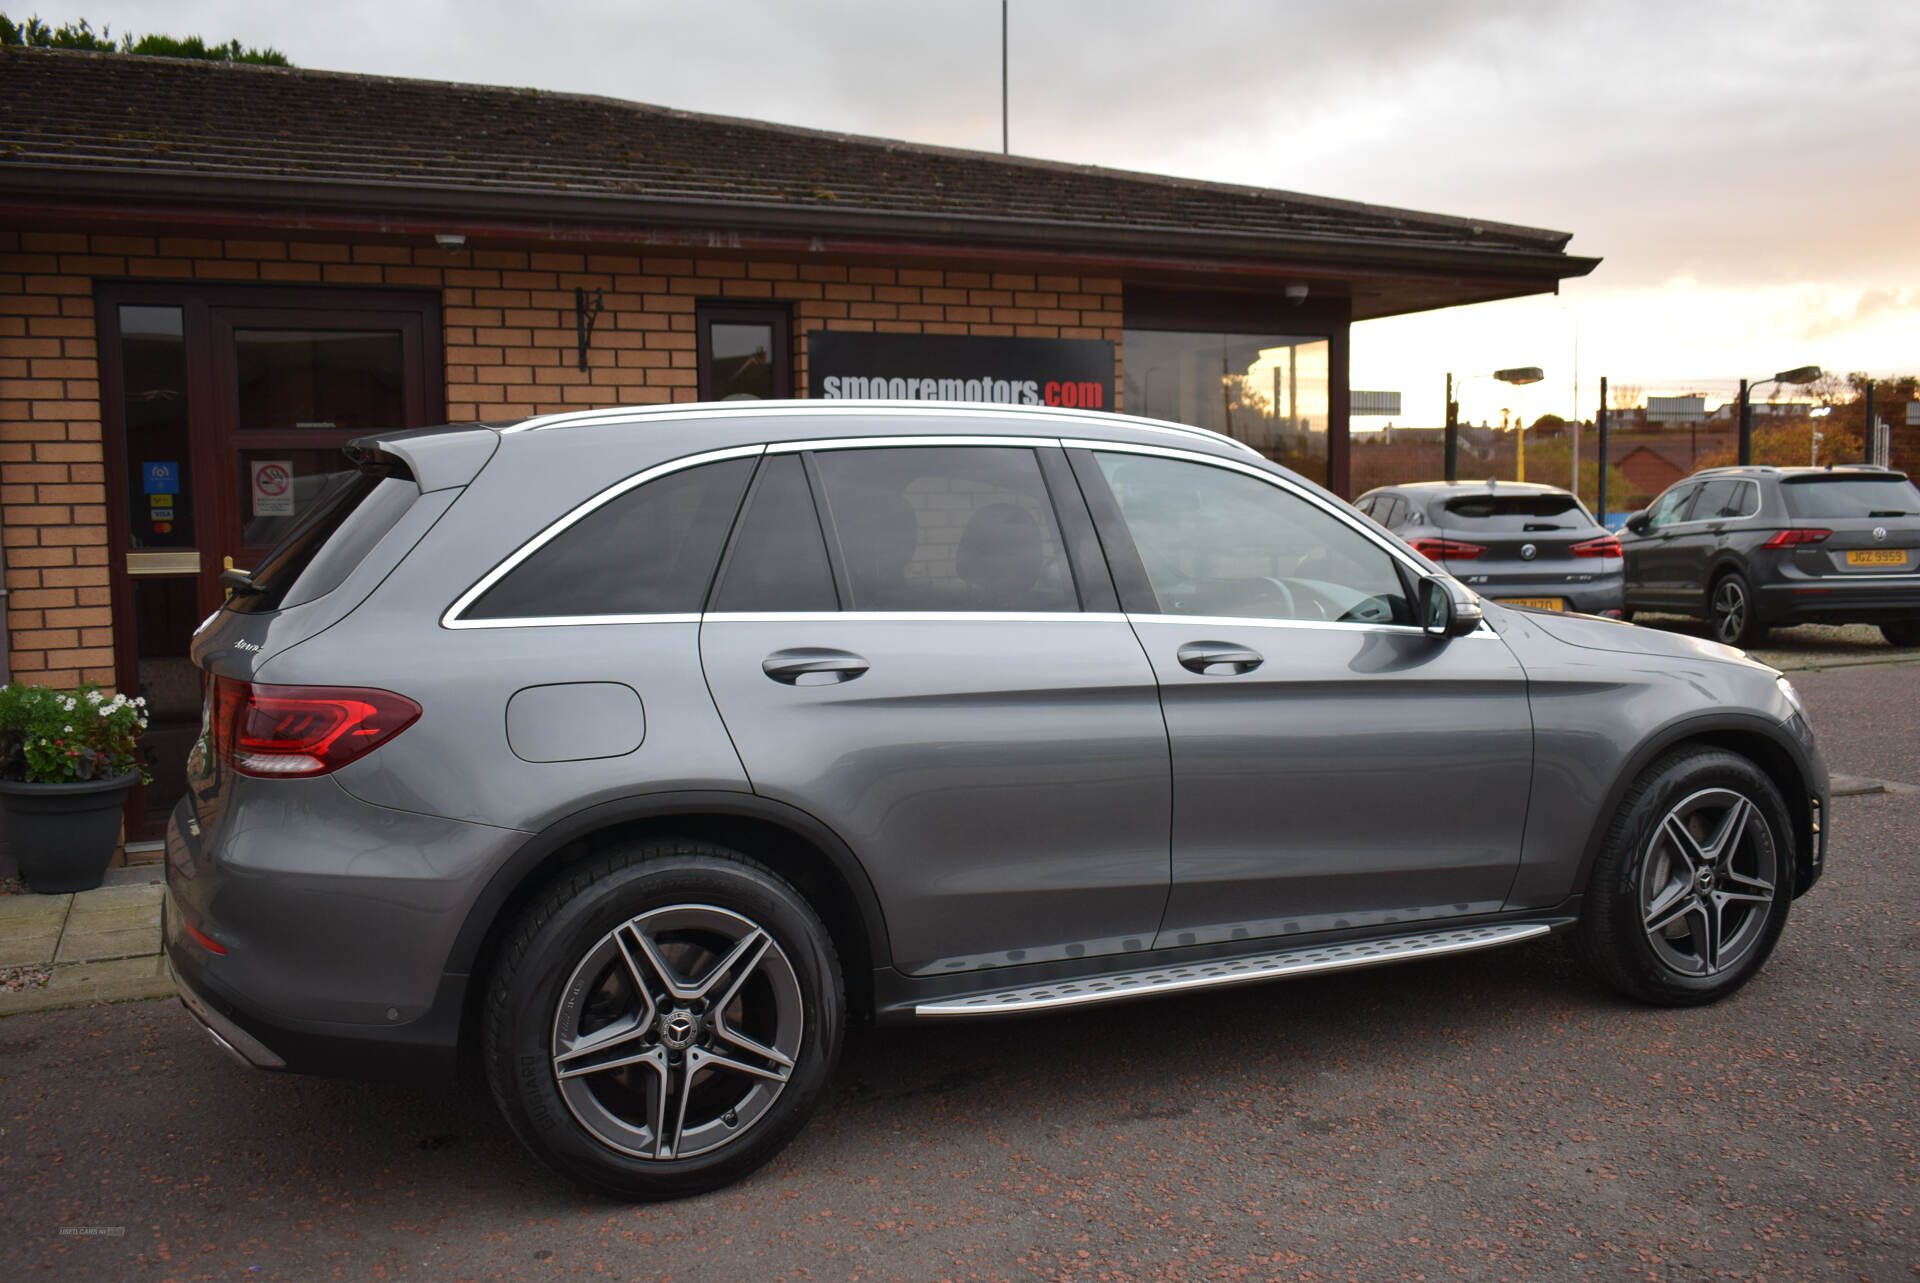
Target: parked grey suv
(1518, 543)
(635, 752)
(1748, 549)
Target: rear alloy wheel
(1905, 632)
(1730, 612)
(663, 1021)
(1691, 891)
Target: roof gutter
(359, 205)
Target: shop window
(1268, 390)
(744, 352)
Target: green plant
(50, 736)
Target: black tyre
(1730, 612)
(662, 1020)
(1691, 889)
(1905, 632)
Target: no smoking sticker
(272, 487)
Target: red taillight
(302, 730)
(1794, 538)
(1604, 546)
(1447, 549)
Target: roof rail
(753, 409)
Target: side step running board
(1218, 972)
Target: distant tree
(1791, 445)
(1626, 396)
(1548, 425)
(35, 34)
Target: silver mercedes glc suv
(633, 753)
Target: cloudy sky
(1746, 170)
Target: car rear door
(931, 660)
(1333, 765)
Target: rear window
(352, 512)
(1517, 511)
(1851, 497)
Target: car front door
(931, 661)
(1333, 765)
(1650, 561)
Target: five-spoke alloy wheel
(663, 1020)
(1730, 612)
(1692, 886)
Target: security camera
(1296, 294)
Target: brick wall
(510, 351)
(52, 481)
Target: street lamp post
(1799, 375)
(1517, 376)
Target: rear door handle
(1219, 659)
(813, 666)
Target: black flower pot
(63, 835)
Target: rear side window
(1722, 499)
(945, 528)
(778, 559)
(1851, 497)
(352, 512)
(649, 551)
(1517, 511)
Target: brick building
(212, 277)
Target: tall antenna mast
(1003, 77)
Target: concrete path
(101, 945)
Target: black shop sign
(1077, 373)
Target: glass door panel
(319, 380)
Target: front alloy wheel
(1692, 885)
(1707, 883)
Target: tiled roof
(157, 121)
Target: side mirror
(1638, 522)
(1446, 609)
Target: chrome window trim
(914, 616)
(1335, 625)
(910, 443)
(450, 618)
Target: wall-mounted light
(450, 240)
(1296, 294)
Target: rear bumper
(321, 929)
(1596, 598)
(1876, 600)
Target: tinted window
(1667, 509)
(945, 529)
(346, 520)
(1718, 500)
(1517, 511)
(1851, 497)
(1216, 542)
(646, 552)
(777, 560)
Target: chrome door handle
(1218, 659)
(812, 666)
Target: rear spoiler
(434, 458)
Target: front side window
(1219, 542)
(945, 528)
(649, 551)
(1669, 507)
